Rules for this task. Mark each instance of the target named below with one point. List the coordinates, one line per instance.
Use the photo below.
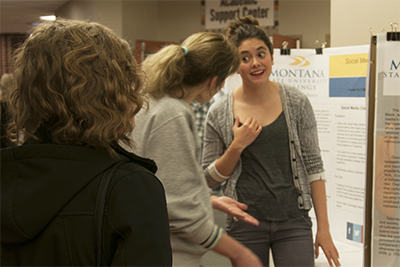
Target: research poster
(335, 83)
(385, 236)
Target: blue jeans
(291, 241)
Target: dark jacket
(48, 194)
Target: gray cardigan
(306, 161)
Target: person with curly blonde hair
(77, 93)
(178, 75)
(6, 86)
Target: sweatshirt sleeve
(309, 141)
(171, 144)
(137, 213)
(213, 149)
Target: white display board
(335, 83)
(385, 230)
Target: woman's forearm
(236, 252)
(318, 194)
(227, 162)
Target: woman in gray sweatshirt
(167, 133)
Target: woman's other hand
(234, 208)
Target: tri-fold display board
(336, 81)
(382, 211)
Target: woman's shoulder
(168, 106)
(133, 173)
(292, 93)
(162, 110)
(291, 90)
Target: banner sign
(385, 232)
(218, 13)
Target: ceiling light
(52, 17)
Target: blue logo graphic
(354, 232)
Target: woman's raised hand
(245, 134)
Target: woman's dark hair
(245, 28)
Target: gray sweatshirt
(167, 134)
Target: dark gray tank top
(266, 183)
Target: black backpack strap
(99, 209)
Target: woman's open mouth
(257, 73)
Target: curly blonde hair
(208, 55)
(80, 81)
(6, 85)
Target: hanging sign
(218, 13)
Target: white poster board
(335, 83)
(218, 13)
(385, 230)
